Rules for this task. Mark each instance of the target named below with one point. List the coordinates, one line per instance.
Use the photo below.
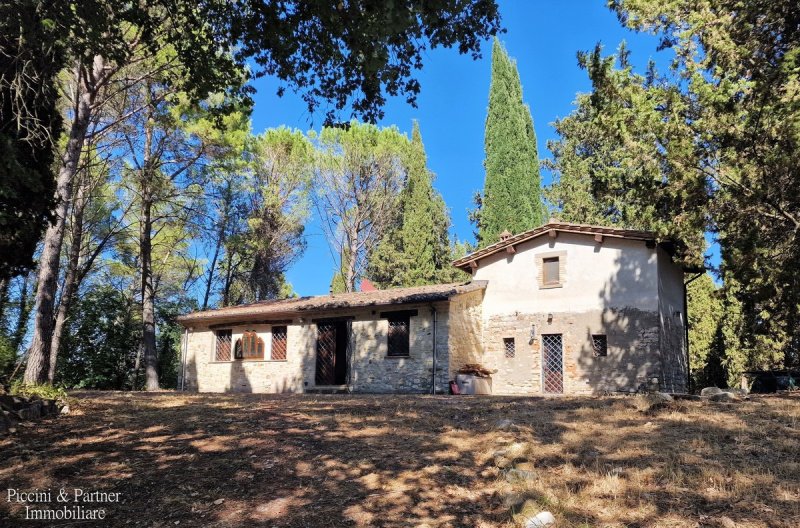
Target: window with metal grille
(222, 352)
(398, 337)
(510, 346)
(600, 345)
(278, 342)
(250, 346)
(550, 271)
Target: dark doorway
(332, 341)
(552, 364)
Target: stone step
(328, 389)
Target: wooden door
(326, 354)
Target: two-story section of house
(560, 309)
(579, 309)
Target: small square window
(550, 271)
(600, 345)
(510, 346)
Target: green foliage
(282, 170)
(512, 196)
(704, 317)
(415, 249)
(169, 340)
(101, 342)
(8, 355)
(713, 145)
(352, 53)
(359, 172)
(44, 391)
(31, 55)
(611, 166)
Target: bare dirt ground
(324, 461)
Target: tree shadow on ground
(330, 460)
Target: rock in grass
(515, 475)
(710, 391)
(652, 401)
(540, 520)
(725, 397)
(503, 424)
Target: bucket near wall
(472, 384)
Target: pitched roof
(552, 226)
(292, 307)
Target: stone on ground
(710, 391)
(540, 520)
(725, 397)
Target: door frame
(340, 324)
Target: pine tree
(416, 249)
(512, 196)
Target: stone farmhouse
(560, 309)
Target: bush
(8, 356)
(46, 391)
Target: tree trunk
(146, 249)
(212, 267)
(350, 277)
(70, 279)
(148, 302)
(36, 368)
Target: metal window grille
(279, 342)
(552, 364)
(398, 340)
(600, 345)
(510, 346)
(223, 348)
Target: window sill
(248, 361)
(551, 286)
(398, 357)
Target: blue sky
(542, 36)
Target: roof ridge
(552, 224)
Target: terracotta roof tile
(552, 225)
(290, 307)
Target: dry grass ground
(364, 461)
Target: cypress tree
(512, 195)
(416, 250)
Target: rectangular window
(398, 339)
(551, 271)
(510, 346)
(223, 346)
(279, 342)
(600, 345)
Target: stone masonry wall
(465, 330)
(375, 372)
(632, 335)
(371, 369)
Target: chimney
(367, 286)
(505, 235)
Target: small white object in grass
(218, 502)
(540, 520)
